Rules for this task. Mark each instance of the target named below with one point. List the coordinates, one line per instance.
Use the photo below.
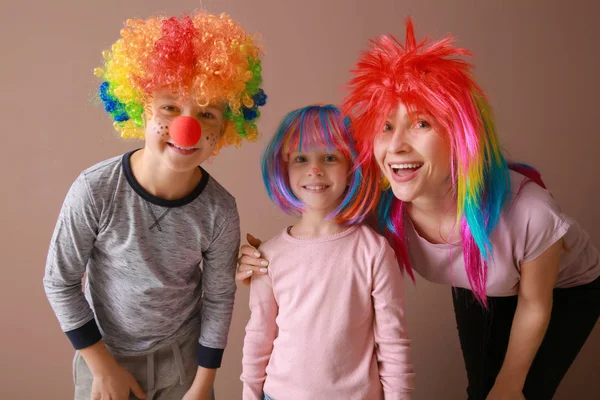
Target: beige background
(538, 60)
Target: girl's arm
(393, 346)
(530, 322)
(261, 331)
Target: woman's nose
(398, 142)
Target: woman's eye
(423, 124)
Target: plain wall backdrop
(537, 60)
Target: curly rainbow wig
(323, 126)
(434, 79)
(207, 56)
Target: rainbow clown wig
(434, 80)
(323, 126)
(203, 55)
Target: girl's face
(165, 107)
(318, 177)
(412, 155)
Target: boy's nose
(185, 131)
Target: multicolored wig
(324, 126)
(434, 80)
(207, 56)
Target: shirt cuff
(208, 357)
(85, 336)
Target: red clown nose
(185, 131)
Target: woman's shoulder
(531, 220)
(527, 196)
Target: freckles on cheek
(161, 127)
(211, 139)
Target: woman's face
(412, 155)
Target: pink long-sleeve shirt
(328, 321)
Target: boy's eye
(170, 108)
(207, 115)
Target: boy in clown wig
(156, 234)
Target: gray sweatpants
(165, 374)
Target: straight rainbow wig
(434, 80)
(209, 57)
(325, 127)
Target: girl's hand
(250, 262)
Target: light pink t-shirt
(328, 321)
(530, 223)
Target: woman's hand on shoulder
(250, 262)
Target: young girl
(328, 319)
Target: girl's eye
(300, 159)
(330, 158)
(387, 127)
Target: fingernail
(264, 262)
(263, 270)
(249, 272)
(256, 254)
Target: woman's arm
(530, 322)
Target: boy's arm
(218, 289)
(393, 346)
(261, 332)
(70, 249)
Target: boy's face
(165, 107)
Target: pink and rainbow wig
(323, 126)
(209, 57)
(433, 79)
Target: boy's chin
(183, 165)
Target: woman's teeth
(398, 167)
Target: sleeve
(261, 332)
(538, 221)
(393, 346)
(218, 290)
(70, 249)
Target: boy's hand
(250, 262)
(202, 387)
(196, 394)
(116, 384)
(111, 380)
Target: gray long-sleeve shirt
(157, 270)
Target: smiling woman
(460, 215)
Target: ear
(224, 125)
